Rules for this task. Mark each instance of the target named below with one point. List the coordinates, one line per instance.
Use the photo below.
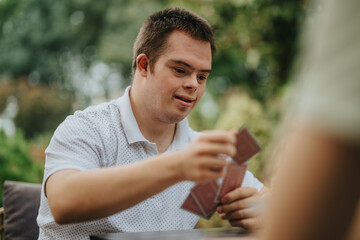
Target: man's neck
(160, 133)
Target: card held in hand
(246, 146)
(233, 179)
(204, 195)
(191, 206)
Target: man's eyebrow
(189, 66)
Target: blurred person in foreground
(316, 186)
(127, 165)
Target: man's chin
(175, 118)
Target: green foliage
(5, 92)
(237, 109)
(203, 117)
(40, 108)
(122, 24)
(40, 37)
(16, 162)
(242, 110)
(256, 40)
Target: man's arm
(316, 191)
(354, 233)
(76, 196)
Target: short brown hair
(151, 39)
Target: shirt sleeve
(251, 181)
(74, 145)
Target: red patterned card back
(246, 146)
(233, 179)
(204, 195)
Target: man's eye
(179, 70)
(202, 78)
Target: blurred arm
(316, 190)
(354, 233)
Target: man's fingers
(206, 176)
(248, 223)
(234, 131)
(218, 136)
(240, 214)
(239, 193)
(212, 163)
(208, 148)
(236, 205)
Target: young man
(127, 165)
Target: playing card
(204, 195)
(191, 206)
(246, 146)
(233, 179)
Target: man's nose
(191, 83)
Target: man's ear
(142, 63)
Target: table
(192, 234)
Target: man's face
(178, 79)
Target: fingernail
(219, 210)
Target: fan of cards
(205, 197)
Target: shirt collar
(132, 130)
(128, 121)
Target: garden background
(57, 57)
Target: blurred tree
(239, 110)
(256, 39)
(40, 42)
(39, 108)
(5, 92)
(40, 38)
(123, 22)
(15, 161)
(257, 43)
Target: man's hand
(203, 159)
(243, 207)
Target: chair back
(21, 202)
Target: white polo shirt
(108, 135)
